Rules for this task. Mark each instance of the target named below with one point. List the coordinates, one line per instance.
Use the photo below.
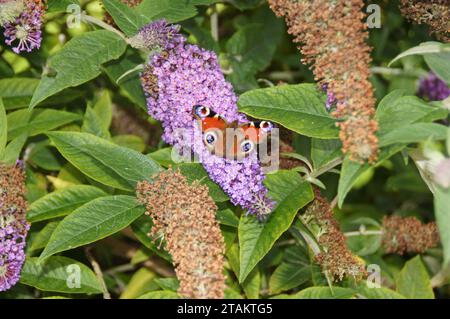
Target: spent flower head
(184, 214)
(335, 258)
(408, 235)
(331, 36)
(434, 13)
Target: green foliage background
(59, 112)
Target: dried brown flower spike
(335, 258)
(332, 38)
(184, 215)
(435, 13)
(408, 235)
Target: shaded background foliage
(90, 177)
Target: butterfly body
(230, 140)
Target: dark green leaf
(413, 281)
(300, 108)
(62, 202)
(37, 121)
(256, 238)
(93, 221)
(104, 161)
(79, 61)
(288, 276)
(128, 20)
(60, 274)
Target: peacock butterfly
(230, 140)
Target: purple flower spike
(182, 76)
(331, 99)
(433, 88)
(13, 225)
(24, 34)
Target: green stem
(327, 167)
(391, 71)
(101, 24)
(363, 233)
(215, 23)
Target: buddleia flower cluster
(432, 88)
(22, 21)
(434, 13)
(181, 76)
(13, 225)
(331, 36)
(335, 259)
(408, 235)
(184, 215)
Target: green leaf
(60, 274)
(300, 108)
(252, 284)
(130, 141)
(252, 47)
(104, 161)
(413, 281)
(44, 156)
(287, 276)
(171, 10)
(442, 213)
(41, 239)
(324, 293)
(438, 63)
(379, 293)
(14, 148)
(55, 6)
(162, 294)
(171, 284)
(3, 129)
(196, 172)
(62, 202)
(37, 121)
(103, 109)
(256, 238)
(78, 61)
(324, 151)
(93, 221)
(131, 85)
(92, 124)
(127, 19)
(424, 48)
(227, 217)
(17, 92)
(397, 110)
(413, 133)
(141, 282)
(350, 170)
(163, 156)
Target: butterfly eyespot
(201, 111)
(247, 146)
(266, 126)
(210, 138)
